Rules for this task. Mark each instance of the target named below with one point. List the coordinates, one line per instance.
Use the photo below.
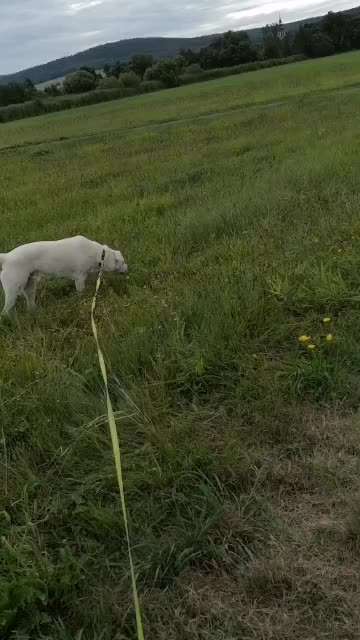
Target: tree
(89, 70)
(129, 80)
(165, 71)
(233, 48)
(189, 56)
(117, 68)
(110, 82)
(231, 38)
(313, 42)
(53, 90)
(303, 39)
(29, 87)
(12, 93)
(354, 33)
(209, 58)
(287, 45)
(140, 63)
(321, 45)
(79, 82)
(276, 42)
(335, 26)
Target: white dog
(73, 258)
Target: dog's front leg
(80, 282)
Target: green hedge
(42, 105)
(147, 86)
(213, 74)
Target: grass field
(236, 204)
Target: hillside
(122, 50)
(108, 53)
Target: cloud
(268, 8)
(36, 31)
(75, 7)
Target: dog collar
(101, 263)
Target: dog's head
(114, 261)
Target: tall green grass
(241, 231)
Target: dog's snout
(124, 268)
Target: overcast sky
(36, 31)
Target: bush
(321, 46)
(140, 62)
(53, 90)
(194, 68)
(165, 71)
(109, 83)
(80, 82)
(13, 93)
(129, 80)
(151, 85)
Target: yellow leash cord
(116, 451)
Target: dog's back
(47, 255)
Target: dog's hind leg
(30, 292)
(13, 285)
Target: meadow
(236, 204)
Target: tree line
(335, 33)
(15, 93)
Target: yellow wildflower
(329, 337)
(311, 347)
(326, 320)
(304, 339)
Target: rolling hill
(123, 50)
(108, 53)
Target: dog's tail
(2, 259)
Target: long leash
(116, 451)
